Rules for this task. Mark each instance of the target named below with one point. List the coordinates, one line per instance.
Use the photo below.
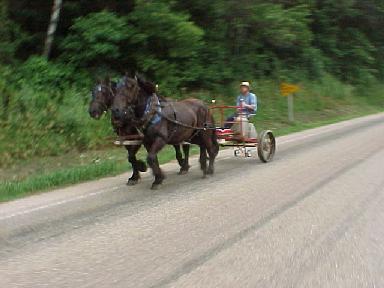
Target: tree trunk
(57, 4)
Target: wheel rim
(267, 149)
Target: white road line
(325, 129)
(58, 203)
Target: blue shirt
(249, 99)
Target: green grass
(39, 182)
(18, 188)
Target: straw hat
(245, 83)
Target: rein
(176, 122)
(147, 117)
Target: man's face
(244, 90)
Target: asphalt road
(314, 217)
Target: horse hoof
(155, 186)
(183, 172)
(132, 182)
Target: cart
(242, 135)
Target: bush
(94, 40)
(42, 75)
(42, 115)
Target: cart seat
(224, 132)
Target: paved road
(312, 218)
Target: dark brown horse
(165, 122)
(101, 102)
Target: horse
(101, 101)
(165, 122)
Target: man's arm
(238, 101)
(252, 103)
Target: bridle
(103, 104)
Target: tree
(10, 35)
(52, 27)
(165, 44)
(339, 33)
(94, 40)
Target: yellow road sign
(287, 89)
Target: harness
(155, 112)
(102, 103)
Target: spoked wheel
(266, 146)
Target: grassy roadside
(83, 167)
(112, 161)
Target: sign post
(291, 117)
(288, 90)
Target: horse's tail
(211, 126)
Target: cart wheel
(236, 152)
(248, 153)
(266, 146)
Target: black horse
(165, 122)
(101, 101)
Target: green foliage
(340, 33)
(335, 47)
(94, 40)
(43, 114)
(169, 44)
(10, 190)
(40, 74)
(10, 35)
(199, 43)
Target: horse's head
(131, 94)
(102, 97)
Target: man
(246, 100)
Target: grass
(106, 163)
(316, 104)
(18, 188)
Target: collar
(153, 107)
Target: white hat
(245, 83)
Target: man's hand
(249, 107)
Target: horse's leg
(153, 162)
(184, 163)
(212, 149)
(179, 157)
(137, 165)
(203, 160)
(186, 166)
